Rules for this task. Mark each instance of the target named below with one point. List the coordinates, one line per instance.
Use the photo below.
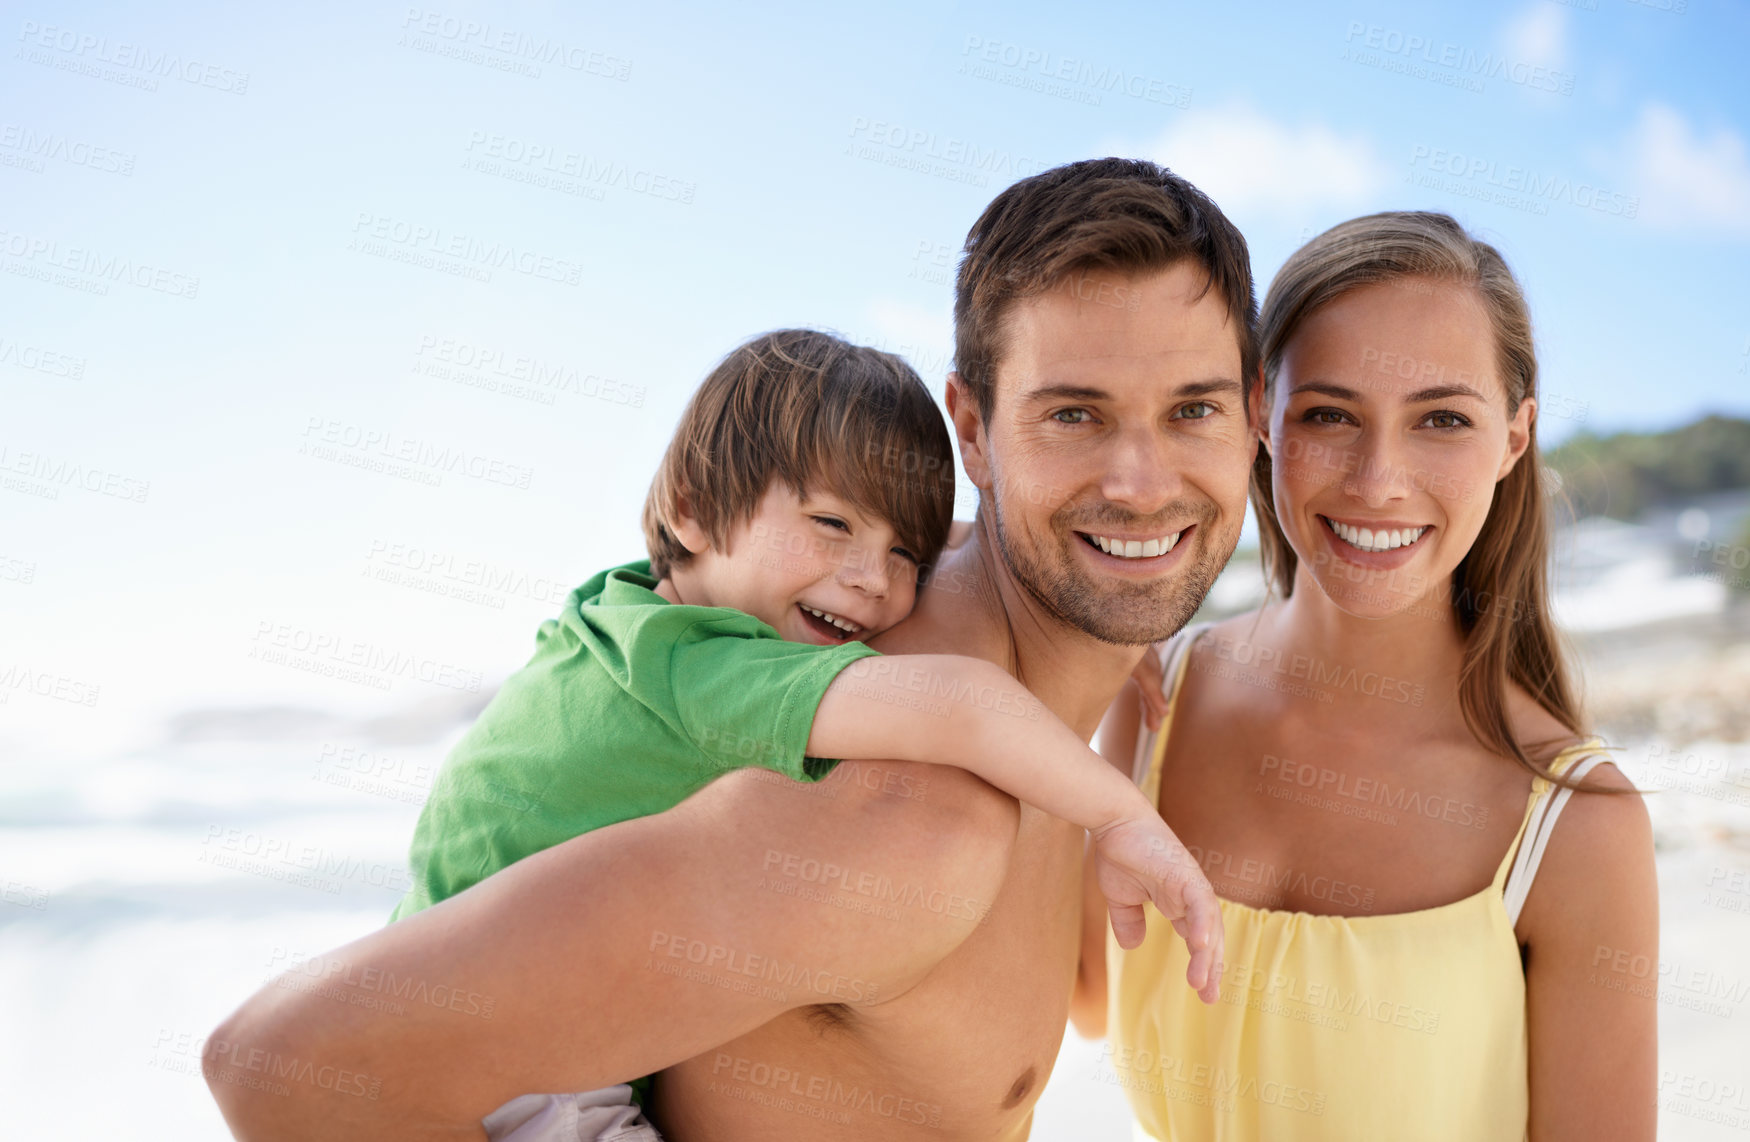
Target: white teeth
(1382, 540)
(1136, 548)
(845, 625)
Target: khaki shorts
(605, 1115)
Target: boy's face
(800, 555)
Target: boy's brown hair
(812, 410)
(1126, 215)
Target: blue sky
(275, 428)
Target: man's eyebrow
(1089, 393)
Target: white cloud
(1539, 35)
(1687, 179)
(1254, 165)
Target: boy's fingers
(1128, 924)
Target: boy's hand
(1138, 859)
(1150, 680)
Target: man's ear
(969, 432)
(1518, 436)
(685, 527)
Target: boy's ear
(969, 432)
(685, 527)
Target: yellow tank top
(1405, 1026)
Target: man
(888, 953)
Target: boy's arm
(966, 712)
(608, 957)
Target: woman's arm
(966, 712)
(1087, 1005)
(1591, 925)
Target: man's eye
(1196, 410)
(1070, 416)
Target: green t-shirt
(630, 705)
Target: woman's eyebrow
(1343, 392)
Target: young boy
(808, 482)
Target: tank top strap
(1151, 749)
(1540, 789)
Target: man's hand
(1139, 860)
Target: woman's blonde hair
(1500, 590)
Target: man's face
(1117, 455)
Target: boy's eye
(831, 522)
(904, 554)
(1196, 410)
(1070, 416)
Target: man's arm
(611, 956)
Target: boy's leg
(605, 1115)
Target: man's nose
(1141, 472)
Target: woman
(1364, 764)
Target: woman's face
(1388, 431)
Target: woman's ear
(685, 527)
(1518, 436)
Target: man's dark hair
(1126, 215)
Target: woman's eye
(1324, 416)
(1445, 420)
(1196, 410)
(1070, 416)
